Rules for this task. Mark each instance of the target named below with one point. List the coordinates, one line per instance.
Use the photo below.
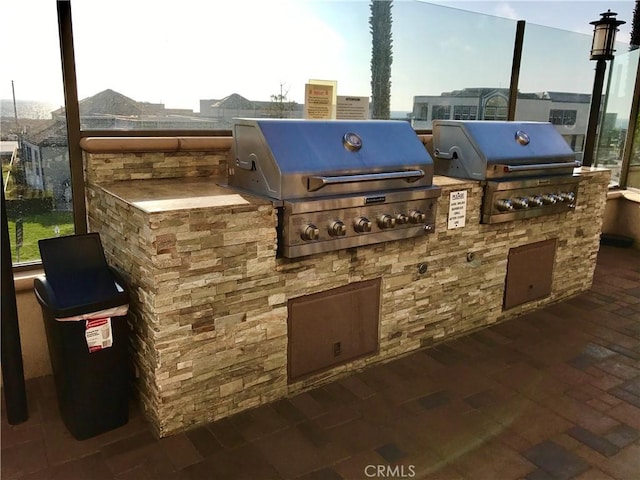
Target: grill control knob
(362, 225)
(386, 221)
(337, 229)
(520, 203)
(504, 205)
(401, 219)
(416, 216)
(535, 201)
(549, 199)
(310, 232)
(567, 197)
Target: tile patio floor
(550, 395)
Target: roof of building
(113, 103)
(109, 101)
(477, 92)
(54, 134)
(568, 97)
(234, 101)
(7, 147)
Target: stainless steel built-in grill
(527, 167)
(338, 184)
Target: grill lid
(491, 149)
(285, 159)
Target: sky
(572, 15)
(151, 51)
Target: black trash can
(84, 305)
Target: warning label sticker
(99, 334)
(457, 209)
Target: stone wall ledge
(630, 195)
(154, 144)
(23, 281)
(622, 215)
(166, 144)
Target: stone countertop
(441, 181)
(174, 194)
(590, 170)
(169, 195)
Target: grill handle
(452, 154)
(315, 183)
(539, 166)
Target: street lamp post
(604, 36)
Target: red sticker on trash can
(99, 334)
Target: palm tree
(635, 28)
(381, 58)
(281, 106)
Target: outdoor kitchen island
(211, 299)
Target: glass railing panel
(450, 63)
(35, 156)
(556, 80)
(614, 118)
(633, 175)
(198, 65)
(201, 65)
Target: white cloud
(505, 10)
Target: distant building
(45, 159)
(236, 106)
(569, 112)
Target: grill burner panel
(344, 222)
(337, 184)
(526, 167)
(511, 200)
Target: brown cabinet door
(333, 327)
(529, 273)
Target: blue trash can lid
(78, 274)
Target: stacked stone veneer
(104, 168)
(209, 314)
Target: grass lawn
(37, 227)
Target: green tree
(381, 58)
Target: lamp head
(604, 35)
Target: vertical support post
(594, 114)
(15, 393)
(72, 112)
(631, 129)
(15, 109)
(515, 70)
